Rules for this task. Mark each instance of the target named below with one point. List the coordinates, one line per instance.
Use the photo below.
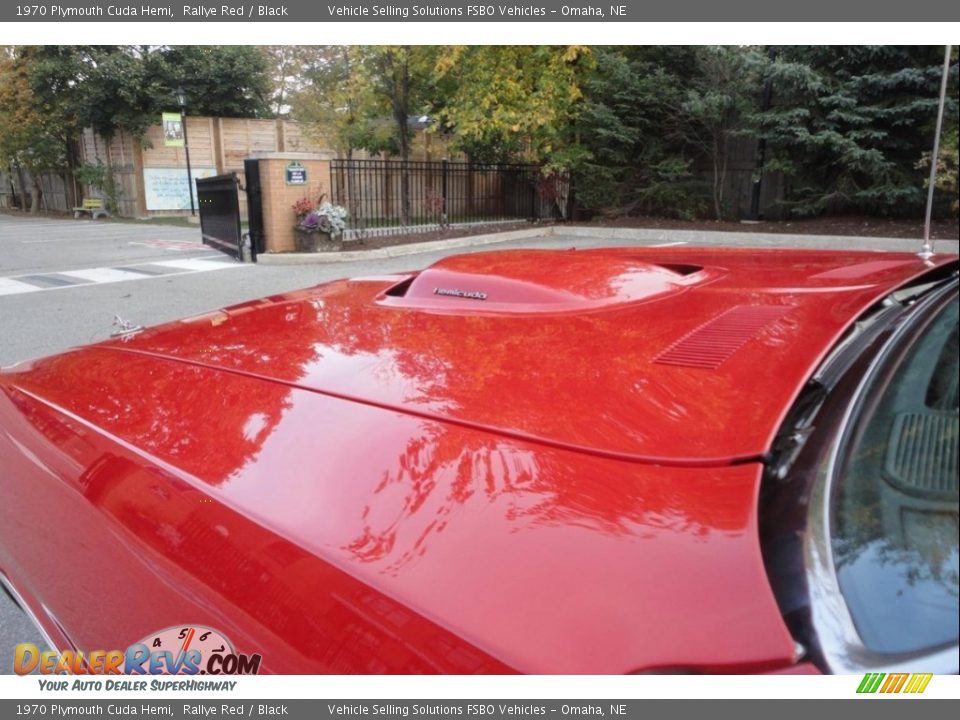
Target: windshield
(894, 514)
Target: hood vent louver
(714, 342)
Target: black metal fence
(220, 214)
(386, 197)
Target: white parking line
(8, 286)
(669, 244)
(105, 275)
(196, 264)
(102, 275)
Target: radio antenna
(926, 252)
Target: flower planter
(311, 242)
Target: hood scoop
(524, 283)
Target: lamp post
(182, 102)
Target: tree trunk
(71, 187)
(353, 191)
(404, 186)
(14, 199)
(723, 175)
(401, 115)
(37, 193)
(716, 181)
(22, 181)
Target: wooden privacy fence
(152, 176)
(59, 190)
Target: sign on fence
(166, 188)
(172, 129)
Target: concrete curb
(400, 250)
(646, 235)
(694, 237)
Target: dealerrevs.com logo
(894, 683)
(178, 650)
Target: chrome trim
(840, 644)
(22, 604)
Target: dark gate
(386, 197)
(220, 214)
(251, 171)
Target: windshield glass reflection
(895, 517)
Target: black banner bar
(191, 709)
(459, 11)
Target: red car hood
(688, 357)
(444, 519)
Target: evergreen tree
(635, 159)
(848, 125)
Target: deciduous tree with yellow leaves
(32, 135)
(502, 102)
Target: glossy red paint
(369, 476)
(582, 377)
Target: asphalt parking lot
(63, 281)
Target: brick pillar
(278, 197)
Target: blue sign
(296, 173)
